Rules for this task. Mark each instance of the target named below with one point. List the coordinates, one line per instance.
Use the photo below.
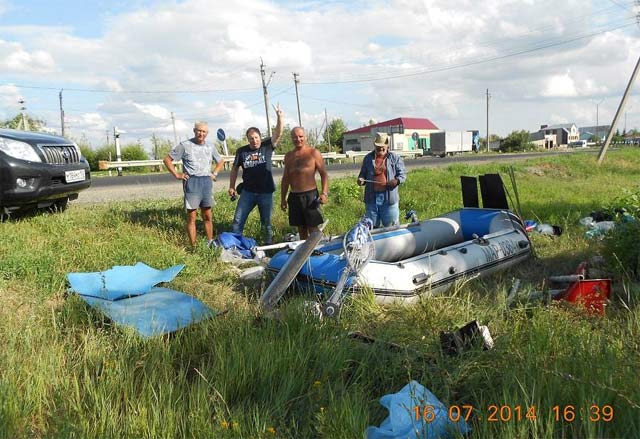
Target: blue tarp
(158, 312)
(431, 423)
(121, 281)
(229, 240)
(128, 296)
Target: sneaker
(212, 243)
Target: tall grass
(67, 371)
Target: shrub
(620, 246)
(621, 249)
(343, 190)
(134, 152)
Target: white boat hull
(422, 258)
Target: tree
(232, 145)
(617, 137)
(336, 132)
(516, 141)
(16, 123)
(285, 144)
(483, 141)
(134, 151)
(90, 155)
(161, 147)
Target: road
(162, 185)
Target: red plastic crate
(593, 294)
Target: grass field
(66, 371)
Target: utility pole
(24, 116)
(326, 130)
(173, 121)
(488, 96)
(154, 140)
(296, 81)
(116, 136)
(266, 94)
(61, 114)
(618, 112)
(597, 122)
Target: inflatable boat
(425, 257)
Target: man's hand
(183, 176)
(214, 176)
(361, 181)
(392, 183)
(232, 192)
(283, 205)
(278, 110)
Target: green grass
(66, 371)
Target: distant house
(542, 140)
(600, 131)
(586, 135)
(403, 132)
(632, 138)
(551, 136)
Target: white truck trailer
(450, 142)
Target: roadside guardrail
(277, 159)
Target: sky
(133, 64)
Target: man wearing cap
(257, 179)
(381, 173)
(197, 179)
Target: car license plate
(73, 176)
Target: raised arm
(275, 138)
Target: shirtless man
(300, 167)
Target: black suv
(39, 170)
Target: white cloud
(15, 59)
(560, 86)
(9, 96)
(182, 52)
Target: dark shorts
(198, 192)
(304, 209)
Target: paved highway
(163, 185)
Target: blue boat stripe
(415, 292)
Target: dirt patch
(547, 170)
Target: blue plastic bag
(408, 418)
(241, 243)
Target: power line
(471, 63)
(544, 42)
(362, 79)
(92, 90)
